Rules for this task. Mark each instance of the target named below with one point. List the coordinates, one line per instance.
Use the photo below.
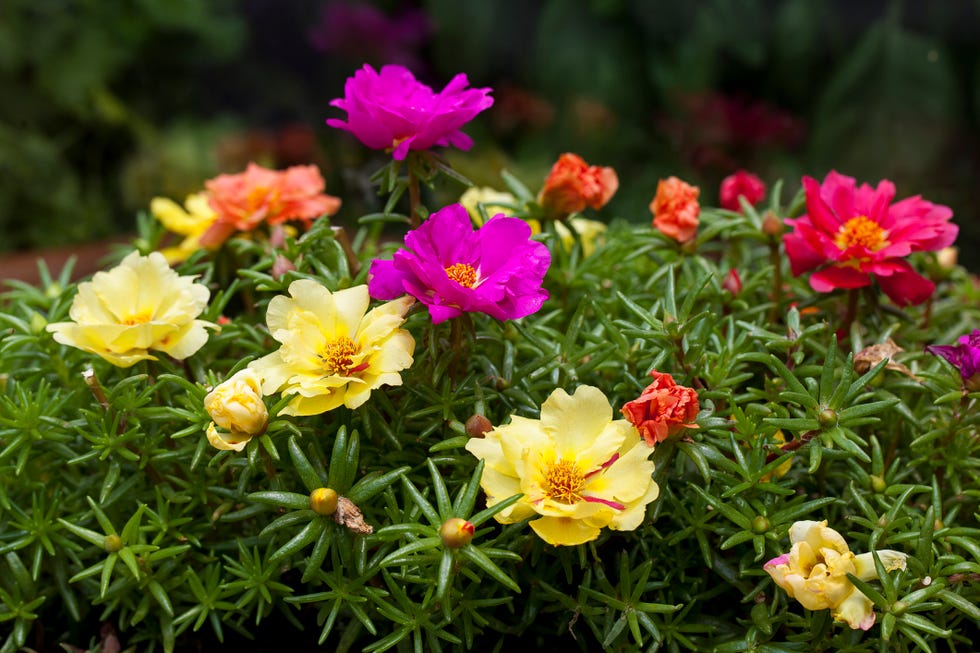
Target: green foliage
(114, 508)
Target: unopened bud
(477, 426)
(281, 266)
(732, 282)
(456, 532)
(878, 484)
(827, 418)
(760, 524)
(112, 543)
(323, 501)
(772, 225)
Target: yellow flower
(139, 305)
(578, 470)
(190, 221)
(815, 570)
(237, 408)
(333, 353)
(493, 201)
(590, 232)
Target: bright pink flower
(965, 356)
(451, 268)
(742, 183)
(391, 110)
(852, 234)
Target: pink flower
(451, 268)
(965, 356)
(662, 409)
(852, 235)
(741, 183)
(391, 110)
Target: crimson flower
(391, 110)
(743, 183)
(452, 269)
(853, 234)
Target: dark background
(106, 104)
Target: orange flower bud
(456, 532)
(323, 501)
(572, 185)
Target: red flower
(675, 209)
(741, 183)
(853, 234)
(573, 185)
(259, 196)
(662, 409)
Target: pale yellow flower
(190, 221)
(578, 469)
(815, 570)
(139, 305)
(590, 232)
(237, 409)
(333, 352)
(493, 201)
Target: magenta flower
(852, 234)
(391, 110)
(965, 356)
(452, 269)
(740, 183)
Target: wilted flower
(237, 409)
(572, 185)
(676, 209)
(965, 356)
(741, 183)
(576, 467)
(853, 234)
(815, 570)
(334, 351)
(662, 409)
(452, 269)
(139, 305)
(391, 110)
(190, 221)
(258, 196)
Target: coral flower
(260, 196)
(237, 409)
(190, 221)
(662, 409)
(391, 110)
(572, 185)
(852, 234)
(965, 356)
(579, 470)
(334, 351)
(815, 570)
(139, 305)
(741, 183)
(452, 268)
(676, 209)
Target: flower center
(139, 318)
(462, 273)
(861, 231)
(337, 357)
(565, 481)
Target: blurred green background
(106, 104)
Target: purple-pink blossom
(391, 110)
(965, 355)
(452, 268)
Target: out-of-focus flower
(237, 409)
(493, 202)
(676, 209)
(333, 350)
(590, 233)
(741, 183)
(964, 356)
(139, 305)
(577, 468)
(732, 282)
(572, 185)
(452, 269)
(947, 257)
(190, 221)
(391, 110)
(362, 32)
(853, 234)
(662, 409)
(258, 196)
(815, 570)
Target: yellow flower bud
(112, 543)
(456, 532)
(323, 501)
(237, 408)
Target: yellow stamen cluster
(338, 356)
(861, 231)
(565, 481)
(462, 273)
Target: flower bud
(772, 225)
(323, 501)
(827, 418)
(760, 524)
(112, 543)
(878, 484)
(237, 408)
(732, 282)
(456, 532)
(477, 426)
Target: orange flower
(573, 185)
(259, 196)
(675, 209)
(662, 409)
